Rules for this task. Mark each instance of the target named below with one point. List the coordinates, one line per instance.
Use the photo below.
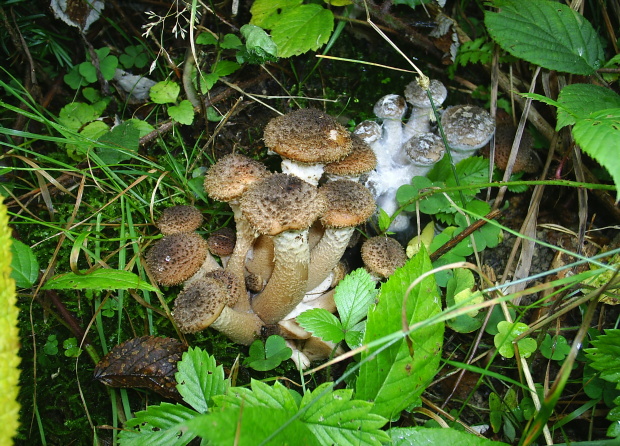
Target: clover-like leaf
(165, 92)
(555, 347)
(508, 332)
(182, 113)
(268, 356)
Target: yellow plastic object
(9, 337)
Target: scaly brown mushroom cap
(179, 218)
(383, 255)
(222, 242)
(280, 203)
(199, 304)
(308, 136)
(504, 136)
(227, 179)
(361, 160)
(175, 258)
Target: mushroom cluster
(292, 229)
(409, 149)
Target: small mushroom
(369, 131)
(207, 303)
(361, 160)
(382, 256)
(307, 139)
(349, 204)
(526, 161)
(421, 110)
(221, 243)
(467, 129)
(424, 151)
(391, 109)
(179, 218)
(177, 257)
(283, 206)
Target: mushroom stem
(287, 285)
(326, 254)
(236, 263)
(239, 327)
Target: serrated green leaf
(165, 92)
(578, 101)
(604, 355)
(260, 395)
(266, 13)
(546, 33)
(100, 279)
(353, 296)
(322, 323)
(392, 378)
(199, 379)
(123, 138)
(598, 135)
(182, 113)
(422, 436)
(251, 426)
(336, 419)
(163, 424)
(24, 264)
(230, 42)
(301, 29)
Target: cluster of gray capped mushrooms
(292, 229)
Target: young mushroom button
(283, 206)
(382, 256)
(422, 112)
(307, 139)
(180, 218)
(467, 128)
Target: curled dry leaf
(147, 361)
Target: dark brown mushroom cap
(180, 218)
(361, 160)
(281, 202)
(175, 258)
(222, 242)
(417, 96)
(307, 136)
(199, 304)
(425, 149)
(383, 255)
(467, 126)
(227, 179)
(504, 137)
(348, 204)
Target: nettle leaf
(159, 425)
(100, 279)
(199, 379)
(182, 113)
(260, 395)
(392, 378)
(24, 265)
(301, 29)
(578, 101)
(546, 33)
(336, 419)
(598, 135)
(268, 356)
(165, 92)
(323, 324)
(604, 355)
(507, 333)
(423, 436)
(251, 426)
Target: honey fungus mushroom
(177, 257)
(283, 206)
(382, 256)
(180, 218)
(467, 129)
(307, 139)
(208, 302)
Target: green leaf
(163, 424)
(266, 13)
(251, 426)
(604, 355)
(322, 323)
(206, 39)
(392, 378)
(260, 395)
(599, 137)
(546, 33)
(182, 113)
(123, 138)
(383, 220)
(24, 265)
(507, 333)
(230, 42)
(353, 296)
(578, 101)
(100, 279)
(301, 29)
(199, 378)
(75, 114)
(421, 436)
(225, 67)
(268, 356)
(164, 92)
(555, 347)
(336, 419)
(259, 43)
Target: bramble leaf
(578, 101)
(301, 29)
(323, 324)
(159, 425)
(199, 378)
